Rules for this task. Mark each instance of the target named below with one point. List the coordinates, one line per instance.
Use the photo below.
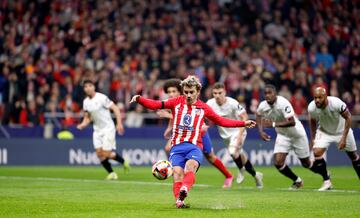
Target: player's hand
(135, 98)
(164, 114)
(250, 123)
(167, 133)
(267, 123)
(264, 136)
(342, 143)
(120, 129)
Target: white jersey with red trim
(98, 108)
(280, 111)
(329, 119)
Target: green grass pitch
(83, 192)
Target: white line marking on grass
(92, 181)
(315, 190)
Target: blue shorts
(183, 152)
(207, 145)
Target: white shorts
(104, 139)
(234, 148)
(323, 140)
(299, 145)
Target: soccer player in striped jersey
(330, 121)
(234, 138)
(173, 89)
(189, 114)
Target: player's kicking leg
(279, 162)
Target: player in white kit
(277, 112)
(330, 122)
(234, 138)
(97, 108)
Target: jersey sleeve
(84, 106)
(238, 108)
(260, 109)
(287, 110)
(221, 121)
(156, 104)
(107, 103)
(311, 110)
(340, 106)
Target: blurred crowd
(130, 47)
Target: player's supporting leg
(355, 159)
(279, 161)
(241, 161)
(257, 175)
(106, 164)
(319, 166)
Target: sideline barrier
(141, 146)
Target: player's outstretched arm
(85, 122)
(225, 122)
(149, 103)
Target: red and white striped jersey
(189, 119)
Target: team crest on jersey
(187, 119)
(287, 109)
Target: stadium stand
(130, 47)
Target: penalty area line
(315, 190)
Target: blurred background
(47, 48)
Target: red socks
(218, 164)
(189, 180)
(176, 189)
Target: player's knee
(318, 152)
(167, 149)
(99, 154)
(278, 164)
(211, 157)
(234, 153)
(305, 164)
(191, 165)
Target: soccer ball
(162, 169)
